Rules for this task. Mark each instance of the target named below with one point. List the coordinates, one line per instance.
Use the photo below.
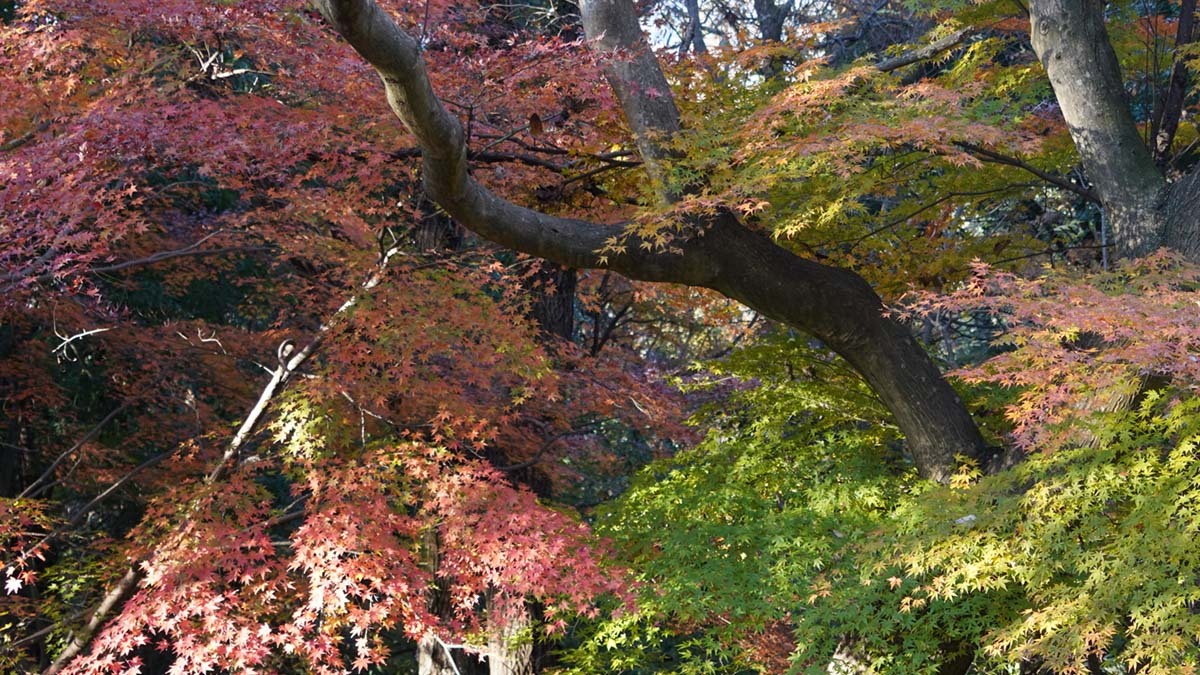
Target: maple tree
(826, 302)
(170, 272)
(269, 406)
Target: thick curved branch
(575, 243)
(835, 305)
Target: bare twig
(78, 336)
(190, 251)
(919, 210)
(537, 456)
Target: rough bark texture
(834, 305)
(1181, 213)
(1144, 212)
(553, 306)
(771, 18)
(693, 37)
(637, 80)
(1072, 43)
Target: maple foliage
(797, 516)
(267, 409)
(191, 198)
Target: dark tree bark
(553, 305)
(1168, 109)
(693, 37)
(771, 18)
(834, 305)
(11, 441)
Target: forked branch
(835, 305)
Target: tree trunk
(553, 303)
(637, 80)
(770, 18)
(1181, 215)
(842, 310)
(11, 461)
(432, 658)
(1168, 109)
(510, 639)
(436, 233)
(1072, 43)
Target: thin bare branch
(171, 255)
(92, 433)
(1000, 158)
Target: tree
(212, 448)
(303, 413)
(1144, 210)
(790, 537)
(834, 305)
(1070, 41)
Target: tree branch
(24, 138)
(171, 255)
(927, 51)
(288, 363)
(92, 433)
(998, 158)
(115, 596)
(1169, 108)
(835, 305)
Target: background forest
(309, 368)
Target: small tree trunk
(432, 658)
(510, 639)
(437, 233)
(10, 454)
(553, 306)
(1181, 213)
